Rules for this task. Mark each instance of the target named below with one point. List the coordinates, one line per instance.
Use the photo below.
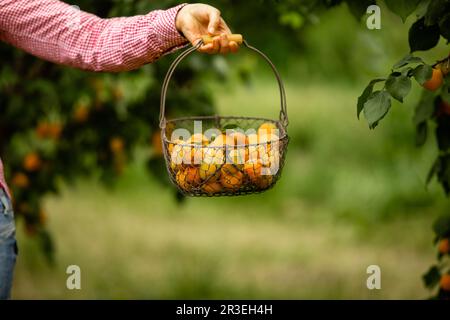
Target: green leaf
(445, 68)
(422, 8)
(444, 26)
(46, 242)
(443, 135)
(376, 107)
(425, 108)
(436, 9)
(423, 37)
(398, 85)
(407, 72)
(431, 277)
(365, 95)
(433, 171)
(443, 173)
(292, 19)
(421, 133)
(441, 226)
(230, 126)
(358, 7)
(423, 73)
(445, 93)
(402, 8)
(408, 59)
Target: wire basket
(222, 155)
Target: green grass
(349, 197)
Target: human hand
(197, 20)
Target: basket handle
(162, 119)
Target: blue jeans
(8, 245)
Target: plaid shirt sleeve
(61, 33)
(2, 179)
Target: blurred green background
(349, 197)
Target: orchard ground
(348, 198)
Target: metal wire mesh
(223, 156)
(235, 159)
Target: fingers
(220, 44)
(234, 47)
(216, 26)
(224, 44)
(214, 21)
(207, 48)
(216, 44)
(211, 48)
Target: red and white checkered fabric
(61, 33)
(2, 178)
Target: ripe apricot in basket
(270, 159)
(209, 171)
(231, 178)
(264, 181)
(212, 187)
(238, 156)
(181, 153)
(237, 138)
(192, 150)
(193, 176)
(252, 147)
(252, 138)
(267, 128)
(214, 156)
(188, 178)
(254, 171)
(198, 138)
(214, 153)
(171, 146)
(197, 153)
(181, 180)
(266, 140)
(176, 155)
(222, 140)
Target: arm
(60, 33)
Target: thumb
(214, 21)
